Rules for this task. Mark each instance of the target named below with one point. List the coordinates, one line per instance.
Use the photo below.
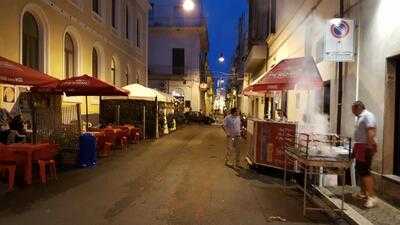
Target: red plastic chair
(103, 148)
(45, 158)
(122, 139)
(109, 135)
(135, 134)
(8, 164)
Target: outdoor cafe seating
(24, 156)
(114, 137)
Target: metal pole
(144, 122)
(87, 113)
(305, 190)
(157, 132)
(78, 113)
(340, 83)
(118, 114)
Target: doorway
(396, 155)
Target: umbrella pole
(157, 132)
(87, 113)
(144, 122)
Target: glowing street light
(188, 5)
(221, 58)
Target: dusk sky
(222, 16)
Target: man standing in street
(364, 150)
(231, 127)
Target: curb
(351, 215)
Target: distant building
(178, 46)
(64, 38)
(237, 75)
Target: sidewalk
(382, 214)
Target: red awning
(17, 74)
(84, 85)
(289, 74)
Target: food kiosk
(267, 142)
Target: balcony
(256, 57)
(173, 21)
(171, 72)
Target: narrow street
(179, 179)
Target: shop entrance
(396, 156)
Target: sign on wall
(339, 40)
(8, 94)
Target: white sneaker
(359, 195)
(371, 202)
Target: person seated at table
(281, 116)
(4, 125)
(17, 126)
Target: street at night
(199, 112)
(177, 180)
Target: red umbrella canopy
(290, 74)
(17, 74)
(84, 85)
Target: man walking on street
(364, 150)
(231, 127)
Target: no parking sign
(339, 40)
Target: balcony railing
(172, 70)
(176, 21)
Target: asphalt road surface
(179, 179)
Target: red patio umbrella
(289, 74)
(84, 85)
(16, 74)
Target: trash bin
(87, 150)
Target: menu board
(270, 142)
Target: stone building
(178, 42)
(64, 38)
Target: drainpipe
(340, 83)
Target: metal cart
(298, 153)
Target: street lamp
(221, 58)
(188, 5)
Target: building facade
(372, 77)
(259, 27)
(238, 65)
(64, 38)
(178, 42)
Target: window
(327, 98)
(69, 54)
(178, 11)
(138, 33)
(151, 13)
(95, 63)
(138, 77)
(272, 16)
(96, 6)
(178, 61)
(114, 13)
(127, 25)
(113, 71)
(187, 104)
(284, 102)
(30, 42)
(127, 77)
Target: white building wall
(300, 32)
(162, 41)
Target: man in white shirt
(232, 130)
(364, 150)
